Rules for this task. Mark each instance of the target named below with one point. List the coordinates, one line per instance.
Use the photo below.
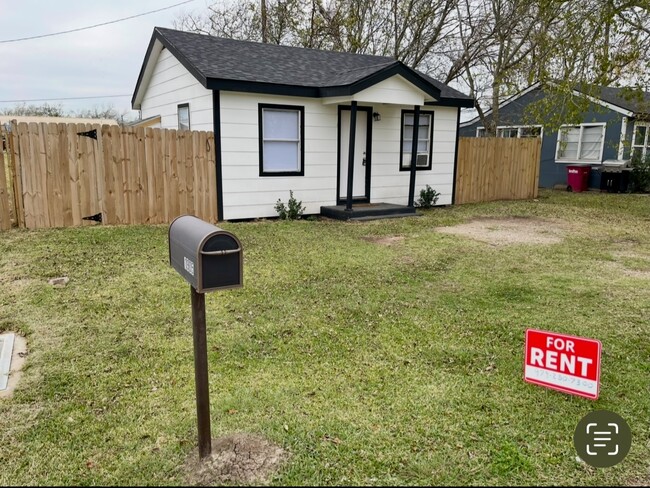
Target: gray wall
(552, 173)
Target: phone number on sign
(564, 379)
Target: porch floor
(368, 211)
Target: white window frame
(646, 142)
(178, 114)
(578, 159)
(518, 127)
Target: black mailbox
(208, 257)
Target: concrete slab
(6, 349)
(15, 361)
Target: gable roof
(619, 99)
(626, 98)
(227, 64)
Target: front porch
(368, 211)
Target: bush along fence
(62, 175)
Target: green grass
(411, 354)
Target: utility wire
(93, 26)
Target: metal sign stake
(201, 373)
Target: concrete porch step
(367, 211)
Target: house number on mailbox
(189, 266)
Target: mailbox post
(210, 259)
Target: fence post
(5, 213)
(15, 166)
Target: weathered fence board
(5, 201)
(491, 168)
(128, 175)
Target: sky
(91, 63)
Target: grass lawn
(372, 364)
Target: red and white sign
(561, 362)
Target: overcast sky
(96, 62)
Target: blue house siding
(552, 173)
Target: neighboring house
(611, 128)
(154, 122)
(282, 121)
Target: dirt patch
(245, 459)
(508, 231)
(17, 362)
(631, 255)
(620, 268)
(384, 241)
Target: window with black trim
(282, 141)
(425, 140)
(184, 116)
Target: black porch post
(414, 153)
(353, 131)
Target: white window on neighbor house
(580, 143)
(425, 137)
(641, 139)
(184, 116)
(281, 140)
(520, 131)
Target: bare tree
(489, 48)
(407, 30)
(44, 109)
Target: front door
(362, 151)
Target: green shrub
(428, 197)
(640, 175)
(292, 211)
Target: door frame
(365, 199)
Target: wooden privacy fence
(6, 203)
(62, 175)
(497, 168)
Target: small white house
(282, 121)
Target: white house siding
(245, 193)
(392, 90)
(389, 184)
(170, 85)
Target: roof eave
(327, 91)
(260, 87)
(606, 104)
(158, 36)
(453, 102)
(397, 68)
(135, 102)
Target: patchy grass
(372, 364)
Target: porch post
(414, 153)
(353, 131)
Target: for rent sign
(561, 362)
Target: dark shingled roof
(627, 98)
(220, 63)
(445, 90)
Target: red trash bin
(578, 177)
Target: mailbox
(208, 257)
